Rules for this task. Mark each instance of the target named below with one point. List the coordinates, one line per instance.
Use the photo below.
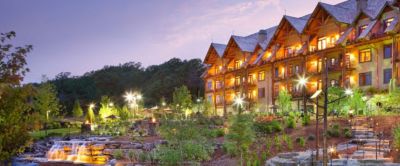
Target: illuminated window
(365, 55)
(290, 88)
(290, 70)
(218, 84)
(238, 64)
(362, 28)
(387, 23)
(333, 61)
(312, 48)
(322, 43)
(387, 50)
(261, 76)
(297, 69)
(365, 79)
(237, 81)
(250, 79)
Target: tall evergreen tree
(90, 114)
(77, 110)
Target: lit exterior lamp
(348, 92)
(302, 83)
(332, 150)
(238, 101)
(132, 99)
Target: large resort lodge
(356, 40)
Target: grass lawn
(59, 132)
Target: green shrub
(263, 127)
(290, 123)
(187, 141)
(118, 154)
(311, 137)
(132, 155)
(305, 120)
(396, 137)
(218, 121)
(278, 143)
(334, 131)
(219, 132)
(289, 142)
(143, 156)
(301, 141)
(276, 126)
(168, 156)
(230, 148)
(347, 133)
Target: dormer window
(362, 28)
(387, 23)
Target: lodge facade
(357, 41)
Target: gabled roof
(342, 13)
(217, 48)
(247, 43)
(375, 7)
(297, 23)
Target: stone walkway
(368, 145)
(364, 149)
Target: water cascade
(77, 152)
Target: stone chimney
(262, 35)
(361, 4)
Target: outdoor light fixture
(239, 101)
(198, 100)
(332, 150)
(128, 96)
(163, 103)
(132, 99)
(348, 92)
(302, 81)
(91, 105)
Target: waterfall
(77, 151)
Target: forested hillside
(154, 82)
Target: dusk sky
(79, 36)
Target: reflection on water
(77, 152)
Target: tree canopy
(155, 82)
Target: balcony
(279, 78)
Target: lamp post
(239, 103)
(198, 100)
(132, 99)
(302, 83)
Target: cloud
(219, 22)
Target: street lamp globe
(129, 96)
(348, 92)
(139, 96)
(239, 101)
